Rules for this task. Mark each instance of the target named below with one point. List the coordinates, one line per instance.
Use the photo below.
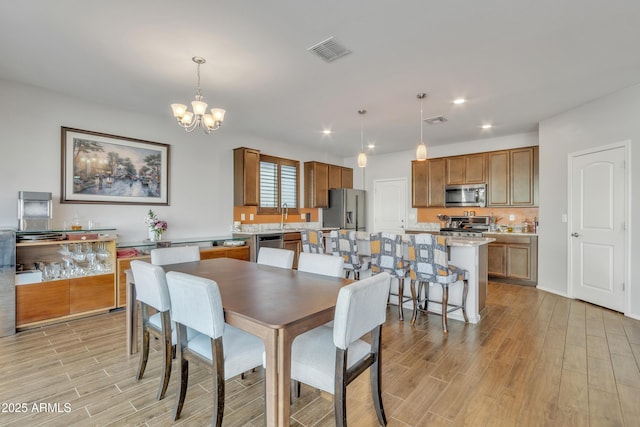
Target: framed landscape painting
(102, 168)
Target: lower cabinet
(514, 259)
(51, 300)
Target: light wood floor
(535, 359)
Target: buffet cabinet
(59, 280)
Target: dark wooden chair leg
(376, 377)
(445, 302)
(465, 291)
(166, 354)
(340, 395)
(414, 298)
(218, 395)
(144, 355)
(183, 371)
(400, 297)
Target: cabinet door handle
(574, 234)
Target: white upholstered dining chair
(175, 255)
(321, 264)
(331, 358)
(227, 351)
(152, 292)
(275, 257)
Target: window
(278, 184)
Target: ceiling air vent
(436, 120)
(329, 50)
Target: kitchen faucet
(284, 215)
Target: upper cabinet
(428, 182)
(513, 177)
(246, 177)
(319, 178)
(469, 169)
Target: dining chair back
(321, 264)
(152, 292)
(225, 350)
(347, 248)
(331, 358)
(387, 256)
(175, 255)
(312, 241)
(275, 257)
(429, 262)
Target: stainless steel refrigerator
(7, 282)
(347, 209)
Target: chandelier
(190, 120)
(362, 157)
(421, 151)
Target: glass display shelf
(200, 241)
(66, 230)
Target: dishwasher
(270, 240)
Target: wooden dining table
(275, 304)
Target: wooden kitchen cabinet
(347, 177)
(428, 182)
(513, 177)
(524, 176)
(293, 242)
(468, 169)
(319, 178)
(246, 177)
(514, 258)
(88, 294)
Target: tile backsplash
(430, 215)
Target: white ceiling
(517, 62)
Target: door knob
(575, 234)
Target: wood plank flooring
(535, 359)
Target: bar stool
(312, 241)
(386, 255)
(429, 262)
(345, 245)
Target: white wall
(608, 120)
(201, 175)
(398, 165)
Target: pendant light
(362, 157)
(421, 151)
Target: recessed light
(459, 101)
(371, 145)
(487, 126)
(327, 131)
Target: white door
(597, 243)
(390, 205)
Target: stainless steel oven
(465, 195)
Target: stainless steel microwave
(465, 195)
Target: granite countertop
(505, 233)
